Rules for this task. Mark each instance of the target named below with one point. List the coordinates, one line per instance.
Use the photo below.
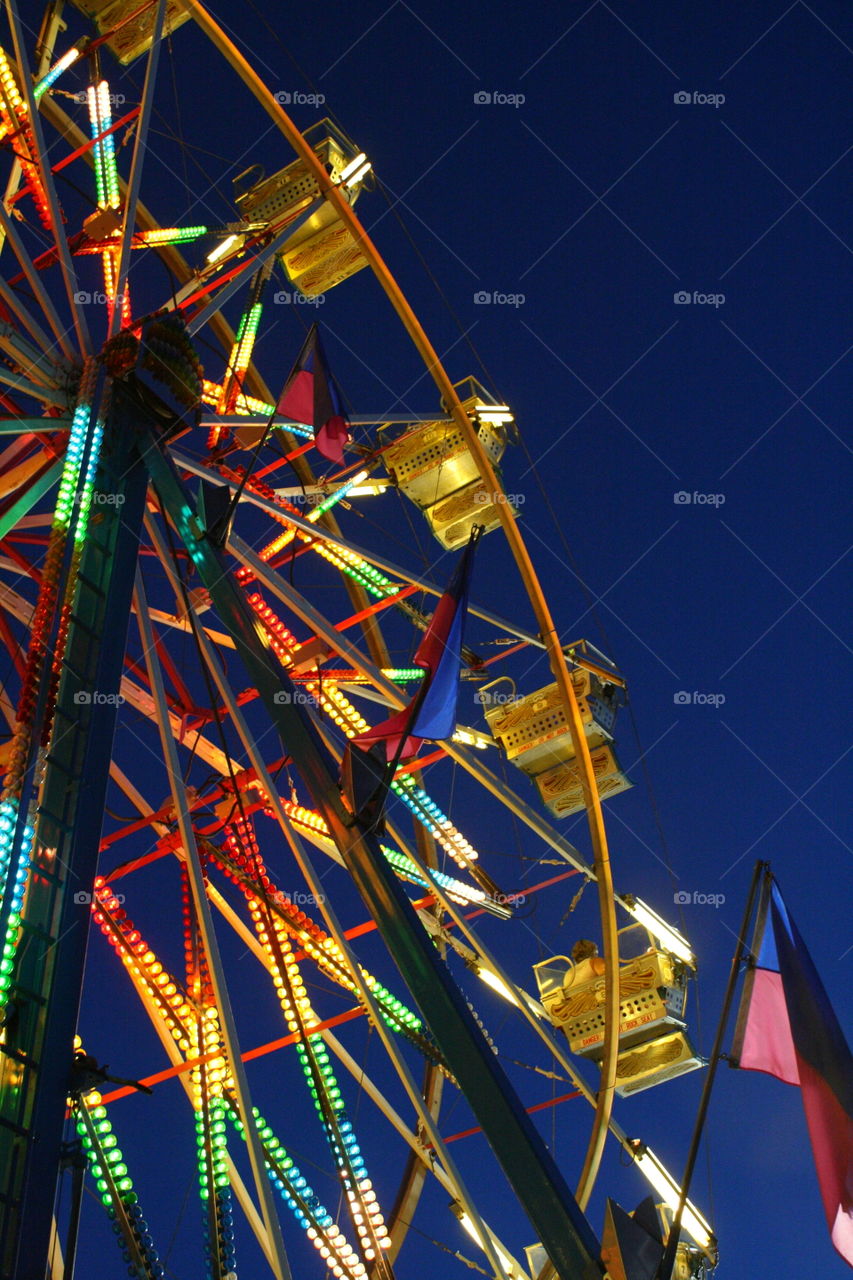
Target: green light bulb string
(320, 947)
(319, 1074)
(107, 1166)
(207, 1080)
(298, 1195)
(180, 1019)
(17, 825)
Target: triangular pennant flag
(311, 396)
(364, 782)
(627, 1249)
(432, 712)
(787, 1028)
(646, 1216)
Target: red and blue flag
(432, 712)
(311, 396)
(788, 1029)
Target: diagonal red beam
(504, 653)
(280, 462)
(259, 1052)
(538, 1106)
(184, 695)
(12, 646)
(376, 607)
(21, 561)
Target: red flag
(432, 712)
(311, 396)
(788, 1029)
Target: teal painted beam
(20, 426)
(23, 505)
(539, 1186)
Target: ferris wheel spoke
(69, 275)
(242, 277)
(26, 321)
(23, 354)
(36, 490)
(33, 278)
(451, 1183)
(135, 179)
(329, 915)
(47, 395)
(262, 1186)
(373, 558)
(176, 1058)
(141, 700)
(459, 1192)
(352, 655)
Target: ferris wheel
(197, 634)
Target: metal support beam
(30, 497)
(281, 1267)
(133, 182)
(50, 971)
(250, 267)
(69, 274)
(538, 1183)
(372, 557)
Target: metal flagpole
(667, 1262)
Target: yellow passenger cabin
(128, 40)
(653, 1045)
(322, 251)
(433, 466)
(533, 730)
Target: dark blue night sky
(638, 215)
